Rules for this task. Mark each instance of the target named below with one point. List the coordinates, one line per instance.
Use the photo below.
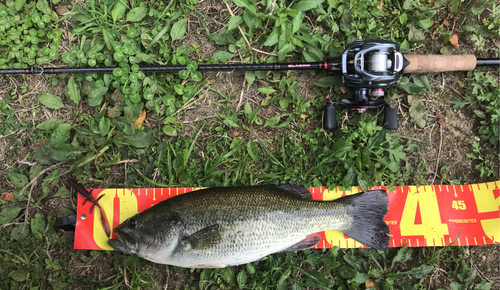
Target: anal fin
(310, 241)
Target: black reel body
(368, 68)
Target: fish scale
(246, 233)
(218, 227)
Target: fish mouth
(125, 243)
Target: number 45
(458, 205)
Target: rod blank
(331, 65)
(488, 62)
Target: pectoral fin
(310, 241)
(203, 239)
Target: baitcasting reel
(368, 68)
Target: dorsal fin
(296, 190)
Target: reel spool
(368, 68)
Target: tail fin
(368, 210)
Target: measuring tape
(425, 216)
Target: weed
(444, 171)
(486, 103)
(484, 166)
(466, 278)
(7, 124)
(22, 36)
(22, 254)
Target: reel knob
(391, 117)
(330, 117)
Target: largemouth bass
(219, 227)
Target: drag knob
(376, 93)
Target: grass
(129, 129)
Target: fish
(95, 203)
(230, 226)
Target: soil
(443, 144)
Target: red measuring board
(418, 216)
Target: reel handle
(330, 117)
(439, 63)
(391, 117)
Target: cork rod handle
(439, 63)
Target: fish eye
(132, 223)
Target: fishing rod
(176, 68)
(367, 67)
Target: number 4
(458, 205)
